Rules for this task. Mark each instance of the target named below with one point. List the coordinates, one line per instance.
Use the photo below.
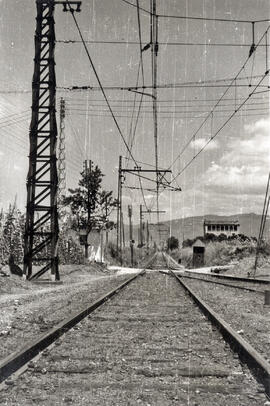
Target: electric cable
(219, 100)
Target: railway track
(147, 344)
(162, 261)
(238, 285)
(255, 281)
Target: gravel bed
(243, 310)
(147, 346)
(25, 316)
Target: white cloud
(244, 167)
(149, 196)
(199, 143)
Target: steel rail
(17, 360)
(257, 364)
(236, 278)
(174, 266)
(224, 284)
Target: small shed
(198, 253)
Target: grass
(226, 253)
(140, 255)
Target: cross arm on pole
(69, 4)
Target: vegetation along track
(148, 345)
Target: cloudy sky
(229, 176)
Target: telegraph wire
(171, 111)
(141, 97)
(161, 86)
(200, 18)
(221, 98)
(218, 131)
(100, 84)
(197, 84)
(103, 42)
(163, 100)
(98, 80)
(134, 5)
(169, 117)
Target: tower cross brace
(41, 226)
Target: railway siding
(148, 345)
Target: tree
(90, 205)
(12, 235)
(172, 243)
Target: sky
(229, 176)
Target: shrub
(172, 243)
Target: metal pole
(61, 153)
(123, 229)
(141, 226)
(41, 234)
(119, 204)
(106, 214)
(154, 54)
(101, 246)
(131, 242)
(147, 236)
(88, 170)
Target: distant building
(221, 226)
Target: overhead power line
(172, 111)
(98, 80)
(160, 86)
(135, 5)
(232, 83)
(195, 100)
(227, 20)
(170, 117)
(164, 43)
(223, 20)
(218, 131)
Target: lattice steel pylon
(62, 153)
(41, 227)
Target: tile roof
(221, 221)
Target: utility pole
(41, 225)
(123, 230)
(147, 236)
(119, 206)
(106, 214)
(62, 153)
(141, 226)
(131, 241)
(87, 171)
(154, 54)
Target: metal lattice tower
(41, 228)
(62, 153)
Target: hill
(191, 227)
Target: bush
(172, 243)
